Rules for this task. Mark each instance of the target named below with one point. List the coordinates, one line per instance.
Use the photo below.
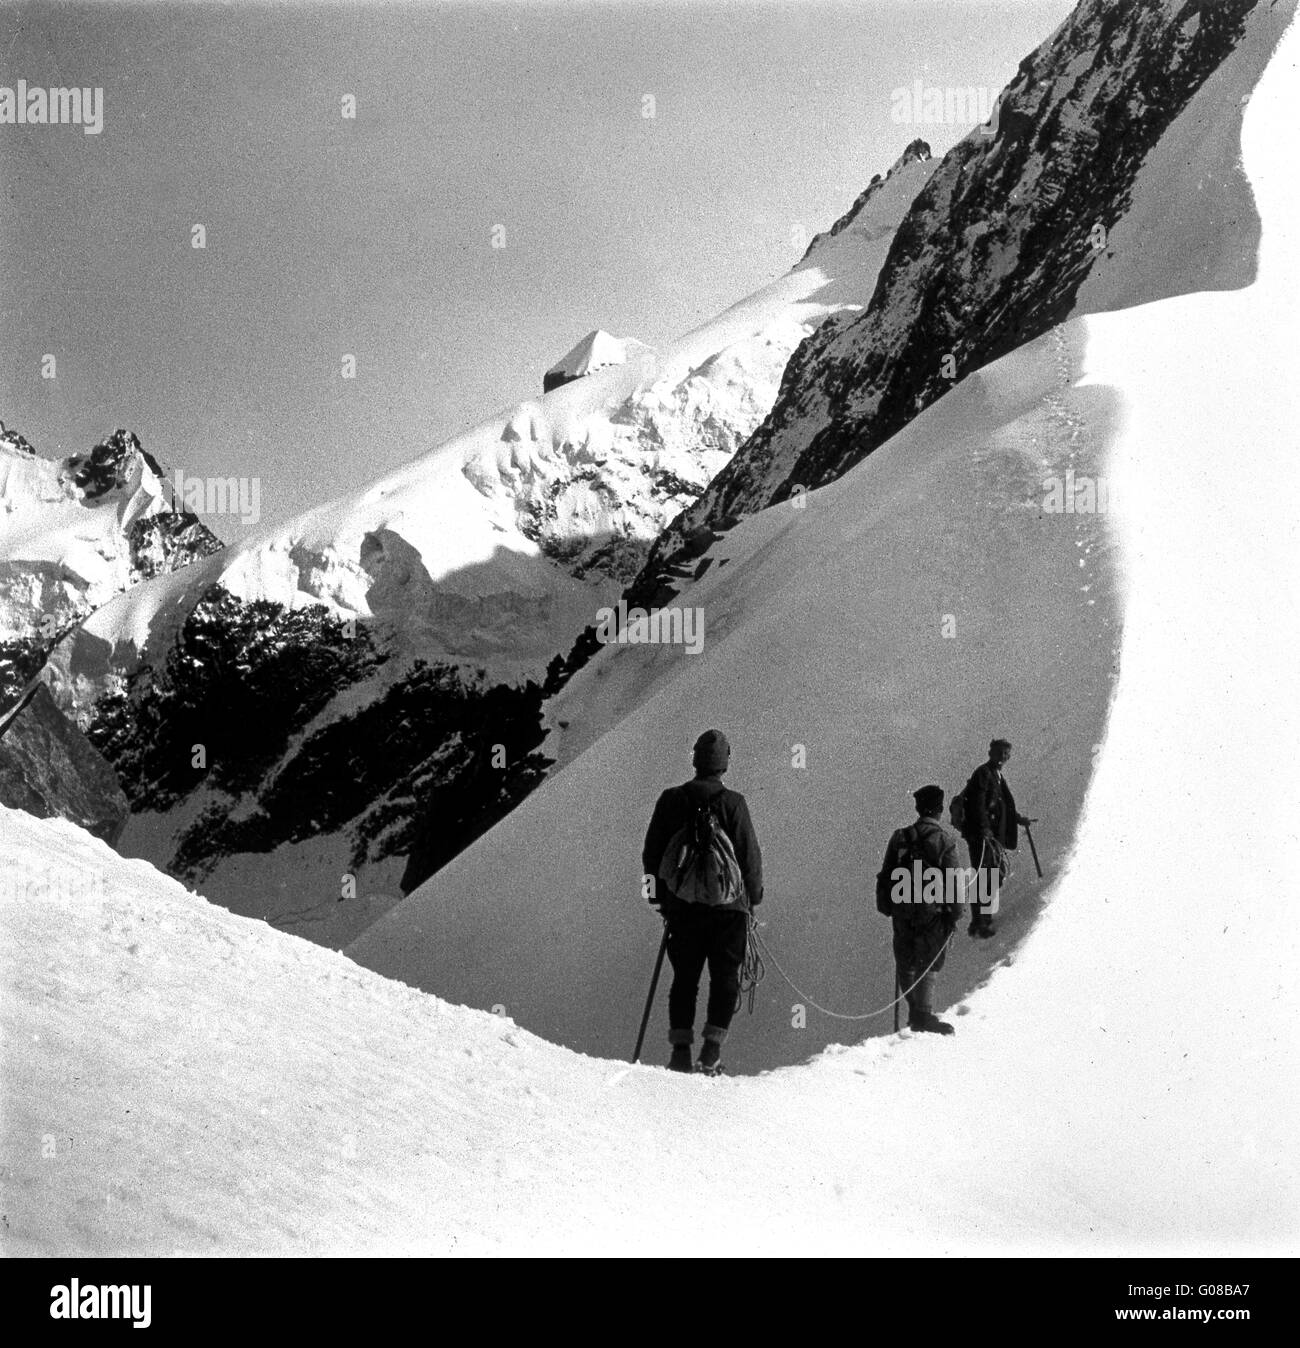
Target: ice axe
(650, 996)
(1033, 851)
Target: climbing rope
(1005, 873)
(753, 969)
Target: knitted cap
(712, 752)
(929, 799)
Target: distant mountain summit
(596, 351)
(75, 533)
(116, 464)
(859, 213)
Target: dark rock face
(420, 769)
(414, 773)
(556, 379)
(242, 680)
(990, 256)
(160, 544)
(21, 660)
(108, 466)
(50, 769)
(16, 441)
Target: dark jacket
(990, 808)
(673, 809)
(938, 849)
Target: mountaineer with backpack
(925, 920)
(985, 813)
(703, 861)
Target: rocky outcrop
(15, 442)
(50, 769)
(161, 537)
(267, 728)
(915, 153)
(992, 253)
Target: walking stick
(1033, 851)
(895, 999)
(650, 996)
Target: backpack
(699, 864)
(957, 808)
(910, 849)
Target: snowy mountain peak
(918, 152)
(119, 463)
(597, 351)
(75, 533)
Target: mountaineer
(923, 922)
(702, 859)
(987, 817)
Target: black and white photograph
(650, 629)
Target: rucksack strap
(920, 836)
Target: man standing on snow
(711, 927)
(924, 913)
(989, 824)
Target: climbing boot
(981, 927)
(710, 1061)
(926, 1022)
(681, 1058)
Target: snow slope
(179, 1079)
(824, 629)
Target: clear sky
(374, 235)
